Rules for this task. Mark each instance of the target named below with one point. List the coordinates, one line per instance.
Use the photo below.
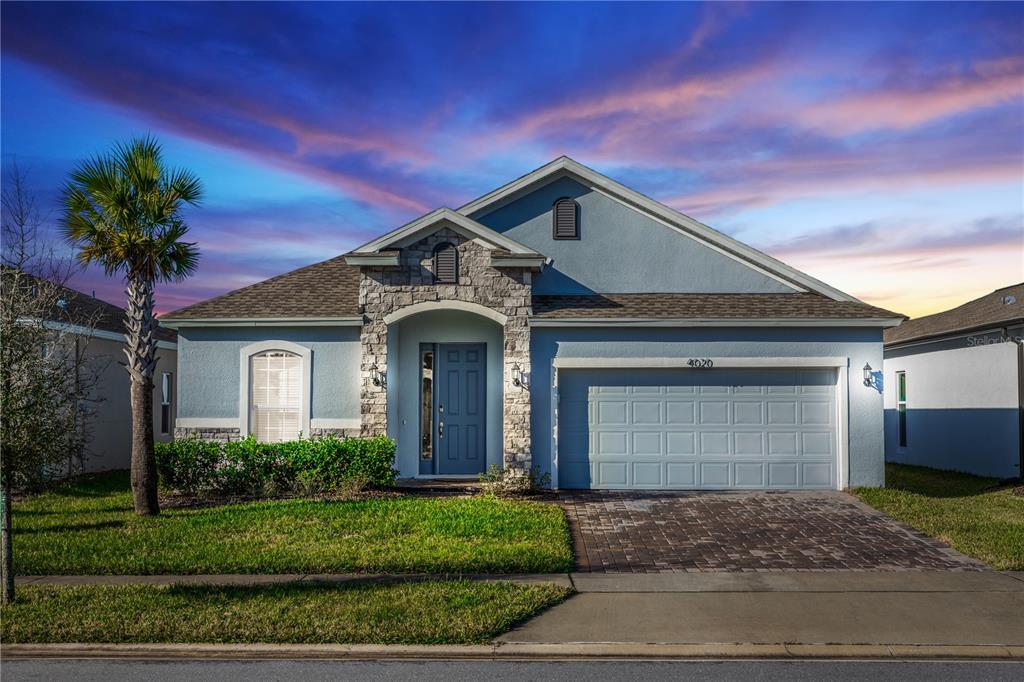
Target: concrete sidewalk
(835, 608)
(656, 612)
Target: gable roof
(709, 308)
(565, 166)
(990, 310)
(327, 291)
(467, 227)
(287, 298)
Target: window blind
(275, 403)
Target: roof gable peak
(431, 222)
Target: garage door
(697, 429)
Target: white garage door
(697, 429)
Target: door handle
(440, 429)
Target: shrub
(249, 467)
(512, 483)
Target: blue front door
(459, 408)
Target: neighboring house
(111, 443)
(562, 322)
(955, 387)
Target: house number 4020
(700, 363)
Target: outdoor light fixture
(868, 379)
(376, 376)
(518, 379)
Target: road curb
(511, 651)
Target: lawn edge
(511, 651)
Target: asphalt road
(496, 671)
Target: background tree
(123, 210)
(46, 379)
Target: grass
(966, 512)
(87, 527)
(436, 612)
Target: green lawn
(436, 612)
(87, 527)
(959, 509)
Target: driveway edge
(510, 651)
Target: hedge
(247, 466)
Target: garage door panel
(748, 443)
(647, 443)
(680, 443)
(648, 475)
(817, 475)
(782, 412)
(715, 475)
(747, 413)
(713, 429)
(783, 444)
(612, 474)
(680, 412)
(714, 412)
(815, 412)
(646, 412)
(783, 475)
(749, 474)
(713, 444)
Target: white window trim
(244, 384)
(841, 365)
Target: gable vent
(446, 264)
(566, 219)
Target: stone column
(516, 413)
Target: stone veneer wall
(225, 434)
(506, 290)
(216, 434)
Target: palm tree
(122, 210)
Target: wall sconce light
(518, 378)
(377, 377)
(872, 379)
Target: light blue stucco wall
(866, 458)
(404, 339)
(208, 368)
(620, 250)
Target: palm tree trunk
(141, 352)
(8, 596)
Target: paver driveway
(745, 531)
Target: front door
(459, 408)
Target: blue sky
(877, 146)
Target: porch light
(518, 380)
(868, 379)
(377, 377)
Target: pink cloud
(993, 83)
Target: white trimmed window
(275, 402)
(165, 403)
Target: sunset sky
(877, 147)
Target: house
(955, 387)
(111, 430)
(97, 329)
(563, 322)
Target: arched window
(275, 399)
(565, 223)
(446, 264)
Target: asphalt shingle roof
(83, 309)
(703, 306)
(988, 311)
(326, 289)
